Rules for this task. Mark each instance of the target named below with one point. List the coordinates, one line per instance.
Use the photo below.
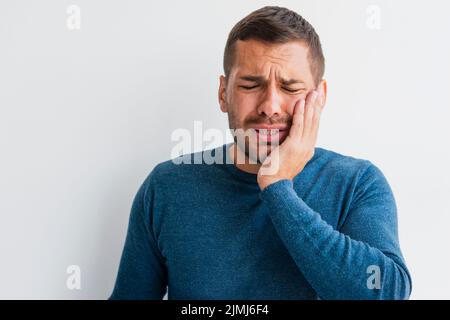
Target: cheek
(245, 99)
(292, 100)
(243, 105)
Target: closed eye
(247, 87)
(293, 90)
(286, 89)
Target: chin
(258, 153)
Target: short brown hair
(274, 24)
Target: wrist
(264, 183)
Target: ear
(222, 94)
(322, 89)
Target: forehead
(287, 60)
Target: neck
(248, 167)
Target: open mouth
(271, 132)
(269, 135)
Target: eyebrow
(261, 79)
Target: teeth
(271, 132)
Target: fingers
(313, 110)
(306, 118)
(316, 118)
(296, 130)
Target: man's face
(264, 84)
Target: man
(316, 225)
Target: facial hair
(262, 149)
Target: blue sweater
(207, 231)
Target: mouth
(271, 134)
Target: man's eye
(248, 88)
(293, 90)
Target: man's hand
(289, 158)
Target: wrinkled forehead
(288, 60)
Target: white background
(86, 114)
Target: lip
(279, 136)
(268, 127)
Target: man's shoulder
(341, 164)
(185, 166)
(339, 160)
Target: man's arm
(142, 273)
(342, 264)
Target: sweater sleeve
(142, 273)
(361, 260)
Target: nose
(270, 106)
